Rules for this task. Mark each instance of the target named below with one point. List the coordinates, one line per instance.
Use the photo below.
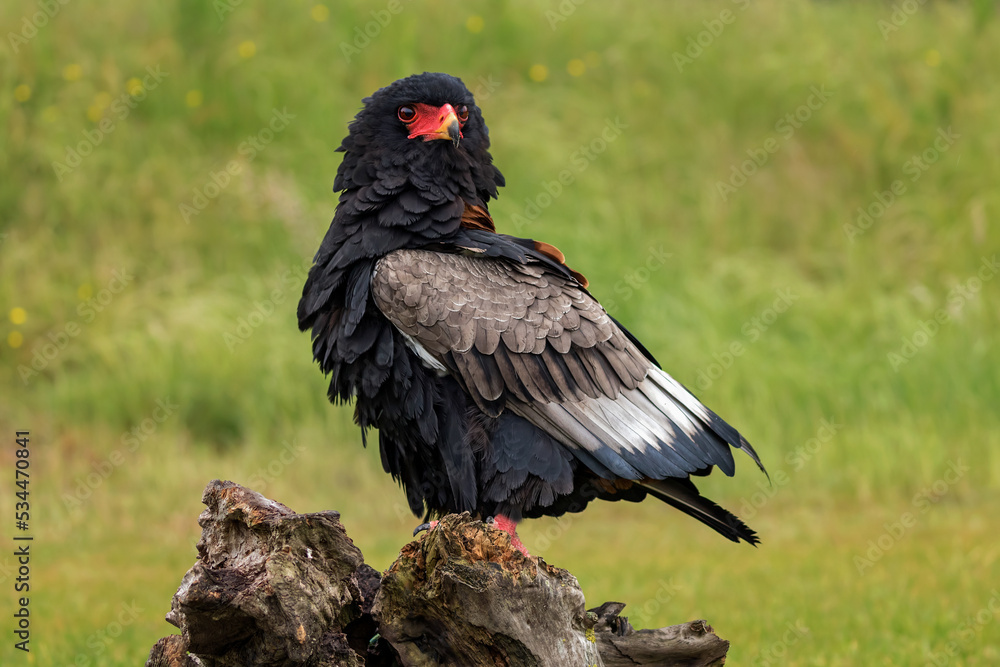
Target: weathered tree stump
(272, 587)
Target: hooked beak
(448, 129)
(443, 125)
(452, 130)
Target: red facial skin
(432, 122)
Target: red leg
(510, 527)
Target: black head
(426, 126)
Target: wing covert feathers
(524, 339)
(538, 335)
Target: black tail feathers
(682, 494)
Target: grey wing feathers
(505, 328)
(522, 339)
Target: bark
(272, 587)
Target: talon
(424, 526)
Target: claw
(424, 526)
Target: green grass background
(799, 599)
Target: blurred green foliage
(149, 204)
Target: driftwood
(272, 587)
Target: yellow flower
(102, 101)
(133, 86)
(22, 93)
(933, 58)
(538, 73)
(18, 315)
(319, 13)
(72, 72)
(15, 338)
(193, 98)
(247, 49)
(576, 67)
(474, 24)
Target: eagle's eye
(406, 113)
(463, 112)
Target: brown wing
(477, 217)
(521, 338)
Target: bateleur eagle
(497, 383)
